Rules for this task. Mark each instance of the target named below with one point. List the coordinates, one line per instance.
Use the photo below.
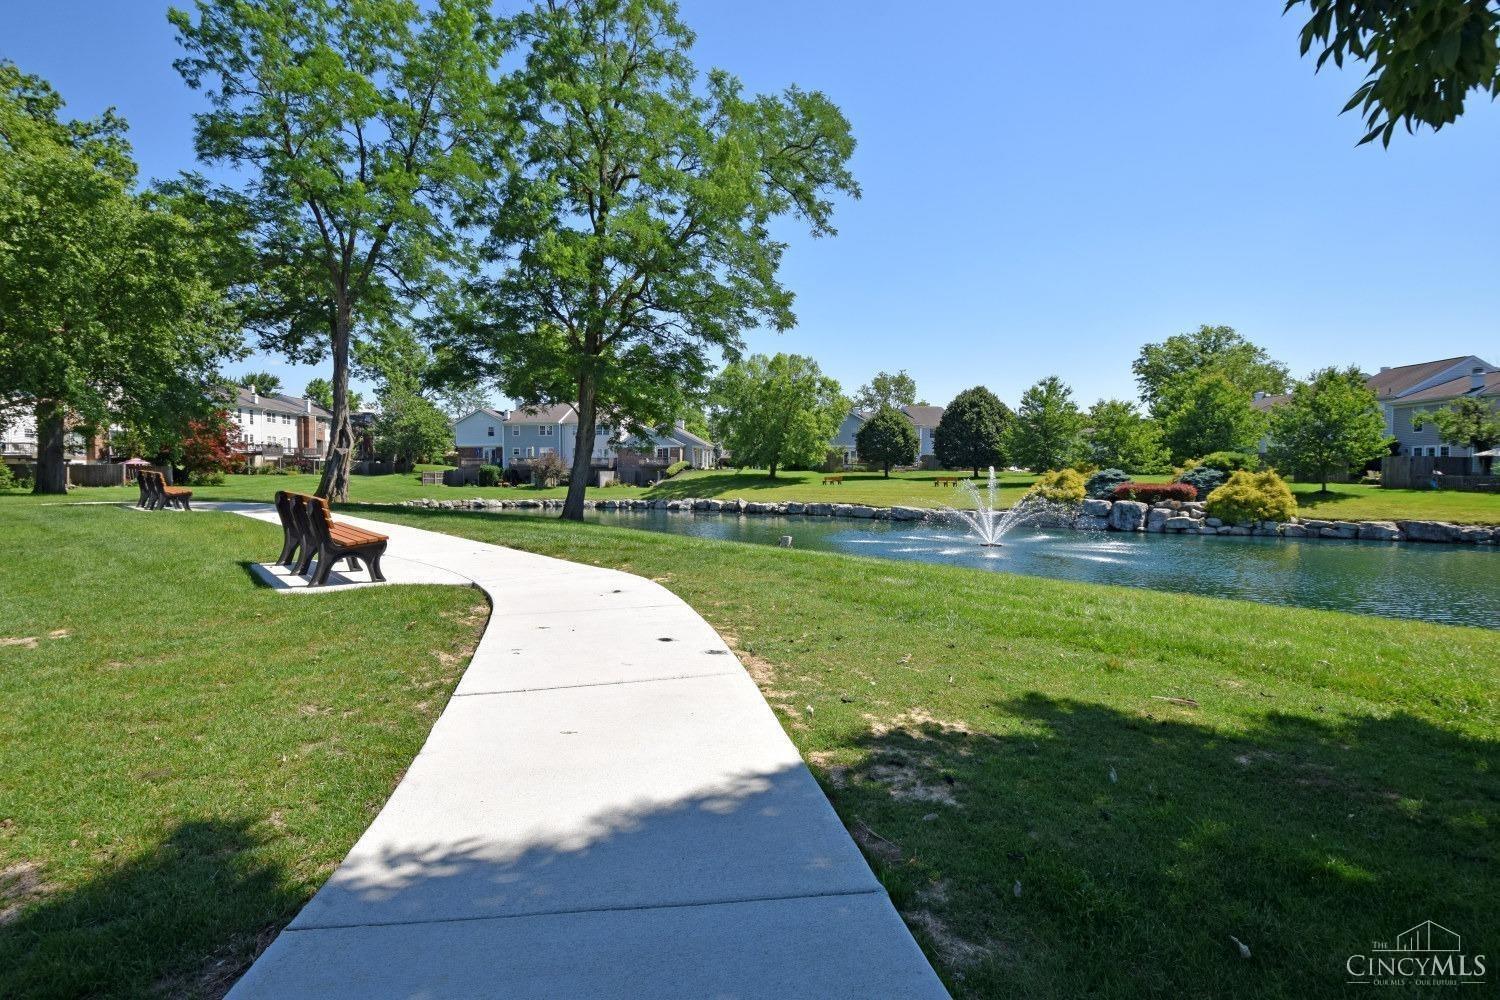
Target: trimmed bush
(1226, 461)
(1102, 483)
(1204, 480)
(1062, 486)
(1252, 496)
(207, 477)
(674, 468)
(489, 475)
(1154, 492)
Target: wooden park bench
(156, 494)
(311, 536)
(947, 480)
(836, 480)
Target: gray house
(923, 417)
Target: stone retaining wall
(1168, 517)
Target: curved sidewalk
(606, 808)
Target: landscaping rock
(908, 514)
(1293, 531)
(1096, 508)
(1379, 531)
(1089, 522)
(1156, 519)
(1429, 531)
(1473, 534)
(1238, 529)
(1179, 523)
(1346, 531)
(1212, 522)
(1127, 515)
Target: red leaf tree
(212, 444)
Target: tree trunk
(583, 450)
(51, 463)
(887, 470)
(335, 483)
(772, 469)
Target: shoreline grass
(1347, 502)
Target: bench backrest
(310, 515)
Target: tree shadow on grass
(1139, 842)
(183, 919)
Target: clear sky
(1046, 186)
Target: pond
(1453, 584)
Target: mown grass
(1351, 502)
(1073, 790)
(185, 756)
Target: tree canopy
(360, 127)
(1211, 414)
(887, 438)
(1425, 59)
(777, 411)
(1332, 423)
(972, 431)
(1166, 370)
(109, 307)
(264, 383)
(410, 429)
(1120, 437)
(1047, 431)
(1469, 423)
(885, 389)
(633, 238)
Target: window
(490, 431)
(1443, 451)
(515, 432)
(515, 453)
(545, 430)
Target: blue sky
(1046, 186)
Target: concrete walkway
(606, 808)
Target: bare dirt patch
(957, 952)
(905, 780)
(25, 642)
(20, 884)
(916, 722)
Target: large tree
(776, 411)
(357, 125)
(1332, 423)
(411, 429)
(1425, 59)
(110, 311)
(971, 433)
(1469, 423)
(634, 240)
(887, 438)
(1048, 429)
(885, 389)
(1120, 437)
(1211, 414)
(1166, 370)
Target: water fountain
(987, 522)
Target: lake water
(1455, 584)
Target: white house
(923, 417)
(480, 437)
(277, 425)
(18, 436)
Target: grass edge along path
(185, 755)
(1073, 789)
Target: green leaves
(770, 412)
(1425, 57)
(973, 430)
(1470, 423)
(1047, 431)
(887, 437)
(1331, 423)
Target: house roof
(494, 414)
(1454, 388)
(277, 403)
(1394, 381)
(924, 416)
(558, 413)
(1267, 402)
(688, 437)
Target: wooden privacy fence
(1415, 472)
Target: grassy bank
(185, 756)
(1076, 790)
(1342, 502)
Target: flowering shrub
(1154, 492)
(1102, 483)
(211, 444)
(1062, 486)
(1252, 496)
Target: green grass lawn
(1155, 772)
(1343, 502)
(185, 756)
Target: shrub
(208, 477)
(1252, 496)
(1154, 492)
(1062, 486)
(549, 470)
(489, 475)
(1102, 483)
(1203, 479)
(1226, 461)
(7, 478)
(675, 468)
